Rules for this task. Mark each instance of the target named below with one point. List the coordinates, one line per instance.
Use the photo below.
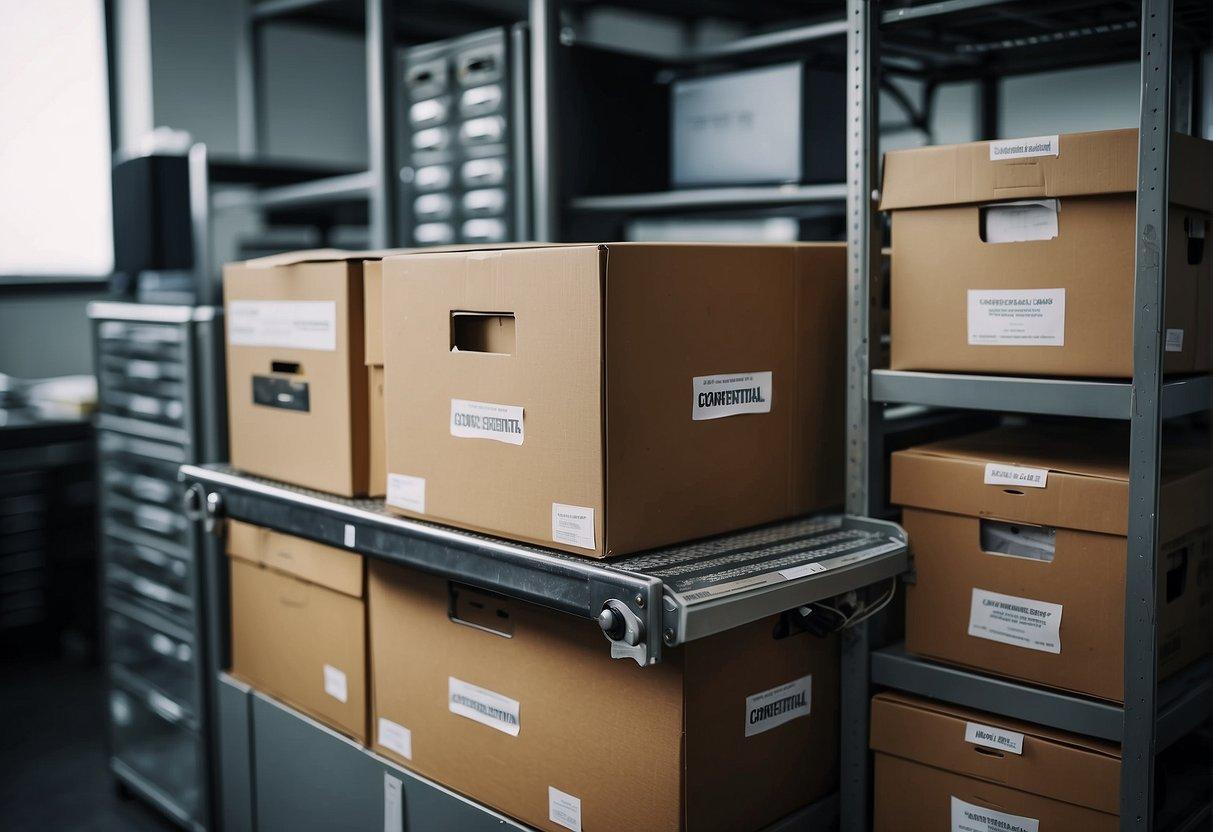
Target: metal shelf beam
(700, 198)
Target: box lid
(1073, 477)
(313, 562)
(1084, 164)
(1052, 764)
(319, 255)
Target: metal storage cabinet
(160, 404)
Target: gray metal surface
(694, 198)
(381, 119)
(895, 668)
(234, 752)
(545, 188)
(520, 124)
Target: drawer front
(151, 737)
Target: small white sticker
(1175, 340)
(335, 684)
(731, 394)
(997, 474)
(393, 804)
(484, 420)
(1017, 317)
(288, 324)
(573, 525)
(991, 737)
(349, 536)
(1021, 222)
(967, 817)
(1021, 622)
(772, 708)
(1025, 148)
(406, 492)
(395, 737)
(564, 809)
(483, 706)
(802, 570)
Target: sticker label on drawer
(573, 525)
(731, 394)
(1017, 317)
(483, 706)
(288, 324)
(335, 684)
(990, 737)
(393, 804)
(772, 708)
(483, 420)
(395, 737)
(997, 474)
(564, 809)
(968, 817)
(1025, 148)
(406, 492)
(1175, 340)
(1021, 622)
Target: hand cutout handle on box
(484, 332)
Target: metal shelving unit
(952, 39)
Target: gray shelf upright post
(863, 445)
(545, 46)
(1141, 585)
(380, 108)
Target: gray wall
(45, 334)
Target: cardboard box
(939, 767)
(1019, 544)
(372, 295)
(1017, 256)
(522, 708)
(608, 399)
(299, 624)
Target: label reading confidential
(1021, 622)
(997, 474)
(772, 708)
(483, 420)
(395, 737)
(564, 809)
(1025, 148)
(288, 324)
(731, 394)
(968, 817)
(991, 737)
(573, 525)
(483, 706)
(406, 492)
(1017, 317)
(335, 684)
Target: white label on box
(1025, 148)
(1175, 340)
(1021, 622)
(406, 492)
(1017, 317)
(290, 324)
(395, 737)
(483, 706)
(967, 817)
(772, 708)
(573, 525)
(990, 737)
(348, 539)
(731, 394)
(564, 809)
(1021, 222)
(997, 474)
(484, 420)
(393, 804)
(335, 684)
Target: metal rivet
(639, 599)
(669, 635)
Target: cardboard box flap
(1052, 764)
(319, 255)
(1076, 164)
(325, 566)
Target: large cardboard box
(605, 399)
(523, 709)
(939, 767)
(1017, 256)
(299, 624)
(372, 296)
(1019, 538)
(296, 372)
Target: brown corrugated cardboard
(582, 362)
(299, 624)
(1028, 581)
(1059, 301)
(523, 709)
(377, 475)
(372, 298)
(935, 763)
